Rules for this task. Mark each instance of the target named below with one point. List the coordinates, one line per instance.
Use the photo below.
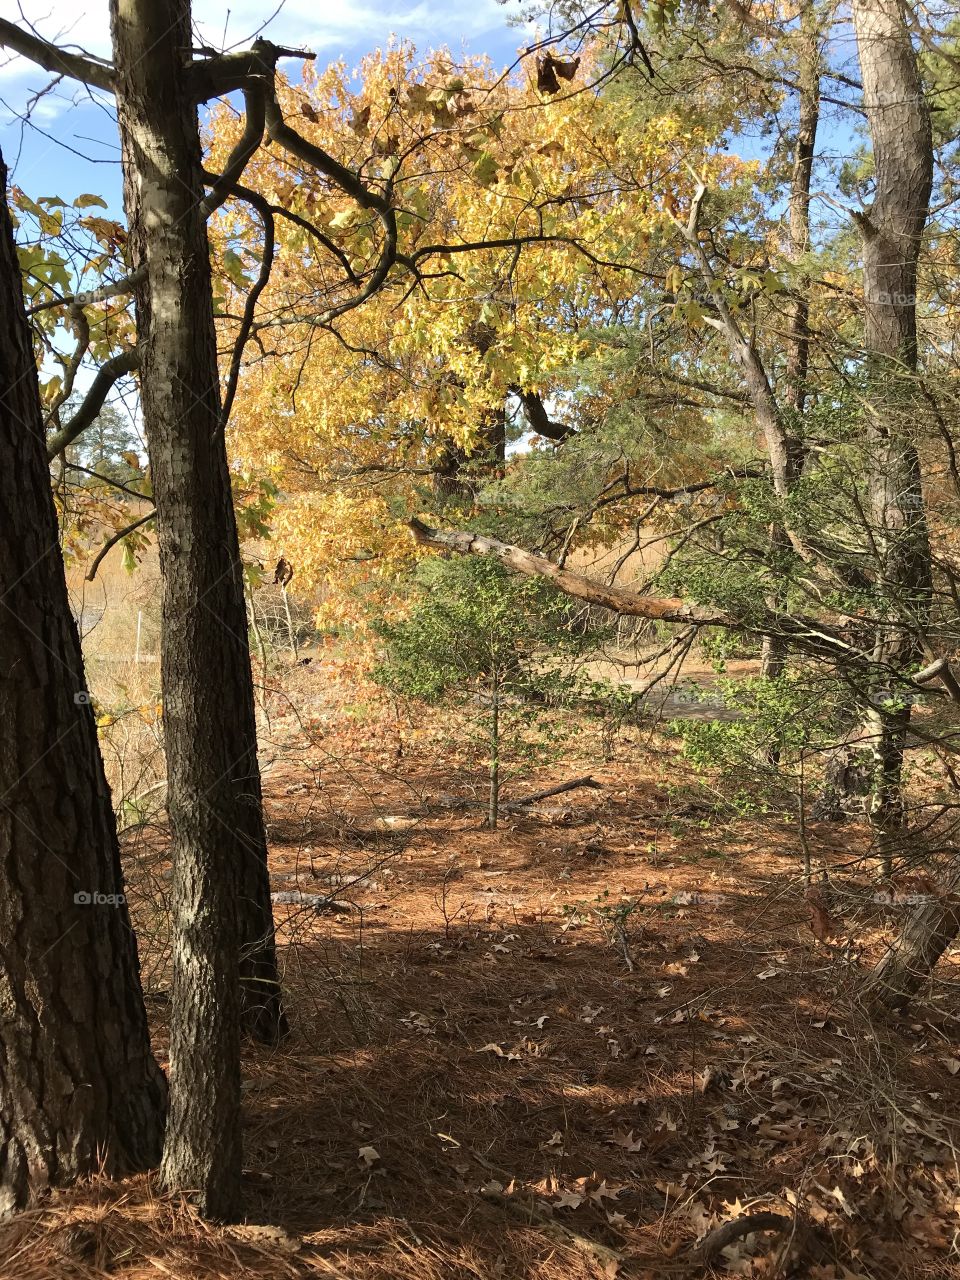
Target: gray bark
(79, 1088)
(892, 229)
(907, 966)
(209, 709)
(774, 653)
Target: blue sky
(74, 147)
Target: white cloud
(329, 27)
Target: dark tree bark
(209, 721)
(209, 710)
(79, 1088)
(808, 122)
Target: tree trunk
(808, 122)
(493, 806)
(905, 968)
(79, 1088)
(209, 710)
(774, 652)
(892, 228)
(458, 473)
(222, 913)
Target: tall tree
(891, 229)
(79, 1088)
(209, 716)
(774, 654)
(209, 725)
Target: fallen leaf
(625, 1139)
(567, 1200)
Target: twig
(112, 542)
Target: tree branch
(246, 323)
(52, 58)
(807, 633)
(113, 540)
(109, 373)
(254, 98)
(346, 179)
(227, 72)
(538, 418)
(87, 299)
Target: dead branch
(736, 1229)
(558, 790)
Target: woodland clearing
(570, 1047)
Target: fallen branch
(736, 1229)
(317, 902)
(514, 806)
(558, 790)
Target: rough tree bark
(209, 719)
(209, 709)
(79, 1088)
(891, 228)
(907, 966)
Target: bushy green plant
(478, 635)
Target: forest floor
(570, 1047)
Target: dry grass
(497, 1070)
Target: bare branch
(89, 298)
(52, 58)
(227, 72)
(113, 540)
(254, 97)
(246, 323)
(108, 374)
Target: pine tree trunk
(209, 711)
(79, 1088)
(892, 230)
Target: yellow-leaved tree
(528, 221)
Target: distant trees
(761, 334)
